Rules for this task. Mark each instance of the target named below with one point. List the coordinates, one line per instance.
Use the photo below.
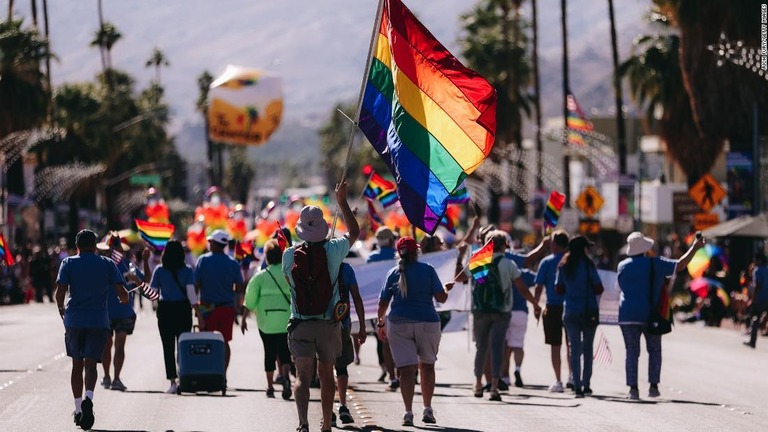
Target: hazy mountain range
(318, 47)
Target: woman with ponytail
(176, 284)
(413, 327)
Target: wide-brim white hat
(638, 244)
(312, 226)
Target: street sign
(589, 202)
(145, 179)
(707, 192)
(589, 226)
(702, 221)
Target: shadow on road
(144, 391)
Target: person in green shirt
(268, 295)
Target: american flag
(602, 355)
(149, 292)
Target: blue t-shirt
(579, 296)
(347, 278)
(546, 276)
(384, 253)
(91, 278)
(423, 284)
(760, 276)
(519, 303)
(217, 274)
(114, 308)
(163, 281)
(634, 275)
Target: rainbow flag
(243, 250)
(156, 234)
(432, 120)
(576, 123)
(5, 252)
(552, 210)
(460, 195)
(377, 185)
(480, 262)
(451, 219)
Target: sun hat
(312, 226)
(219, 236)
(384, 234)
(112, 240)
(406, 244)
(638, 244)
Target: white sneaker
(556, 387)
(172, 389)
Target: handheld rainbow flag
(156, 234)
(480, 262)
(243, 250)
(460, 195)
(576, 123)
(377, 185)
(432, 120)
(5, 252)
(552, 210)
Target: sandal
(479, 392)
(495, 396)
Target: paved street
(710, 382)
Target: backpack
(312, 281)
(488, 296)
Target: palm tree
(105, 38)
(157, 60)
(204, 81)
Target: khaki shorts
(413, 342)
(315, 338)
(518, 324)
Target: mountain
(318, 47)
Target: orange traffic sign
(707, 192)
(589, 201)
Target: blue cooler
(202, 365)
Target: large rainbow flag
(480, 262)
(5, 252)
(432, 120)
(576, 123)
(156, 234)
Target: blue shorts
(86, 342)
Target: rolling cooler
(201, 363)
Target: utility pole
(621, 133)
(537, 100)
(566, 158)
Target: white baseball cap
(219, 236)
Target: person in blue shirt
(553, 312)
(634, 277)
(89, 279)
(219, 282)
(759, 302)
(578, 280)
(412, 328)
(349, 290)
(385, 239)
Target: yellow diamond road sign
(707, 192)
(590, 201)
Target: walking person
(175, 282)
(641, 279)
(269, 296)
(758, 303)
(578, 281)
(553, 311)
(348, 289)
(312, 270)
(515, 337)
(89, 279)
(385, 240)
(219, 282)
(412, 329)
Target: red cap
(407, 244)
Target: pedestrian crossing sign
(589, 201)
(707, 192)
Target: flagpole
(353, 126)
(362, 192)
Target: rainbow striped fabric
(156, 234)
(576, 123)
(432, 120)
(5, 252)
(460, 195)
(377, 185)
(552, 210)
(480, 262)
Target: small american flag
(602, 355)
(149, 292)
(117, 256)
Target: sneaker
(118, 385)
(394, 385)
(634, 394)
(408, 419)
(302, 428)
(518, 380)
(345, 416)
(77, 416)
(495, 396)
(503, 386)
(587, 391)
(173, 388)
(87, 418)
(579, 393)
(287, 392)
(429, 416)
(556, 387)
(270, 393)
(749, 344)
(654, 391)
(106, 382)
(569, 384)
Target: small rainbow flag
(552, 210)
(243, 250)
(451, 219)
(576, 123)
(388, 198)
(480, 262)
(156, 234)
(5, 252)
(460, 195)
(377, 186)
